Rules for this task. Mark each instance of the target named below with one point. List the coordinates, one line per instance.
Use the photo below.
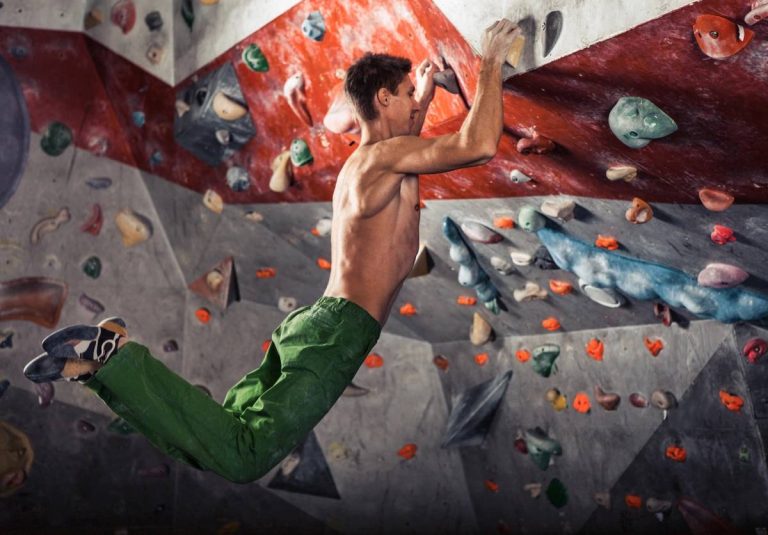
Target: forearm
(418, 122)
(483, 125)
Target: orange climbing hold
(265, 345)
(408, 451)
(654, 346)
(551, 323)
(466, 300)
(504, 222)
(491, 485)
(481, 359)
(595, 349)
(633, 501)
(203, 315)
(374, 361)
(523, 355)
(560, 287)
(676, 453)
(731, 401)
(266, 273)
(315, 232)
(407, 310)
(722, 234)
(606, 242)
(581, 403)
(322, 263)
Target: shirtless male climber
(316, 351)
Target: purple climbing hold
(722, 276)
(45, 394)
(478, 232)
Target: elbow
(487, 153)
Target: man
(316, 351)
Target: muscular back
(374, 236)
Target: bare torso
(372, 253)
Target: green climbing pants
(314, 354)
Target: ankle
(77, 367)
(123, 340)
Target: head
(380, 88)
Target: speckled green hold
(92, 267)
(300, 154)
(557, 494)
(530, 219)
(188, 13)
(121, 427)
(56, 138)
(544, 359)
(255, 59)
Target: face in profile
(403, 108)
(636, 121)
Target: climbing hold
(203, 315)
(156, 158)
(523, 355)
(123, 15)
(715, 200)
(744, 454)
(627, 173)
(518, 177)
(606, 297)
(581, 403)
(323, 226)
(731, 401)
(654, 346)
(607, 400)
(93, 18)
(638, 400)
(550, 323)
(533, 489)
(300, 154)
(92, 267)
(655, 505)
(447, 80)
(635, 121)
(266, 273)
(473, 411)
(252, 215)
(544, 359)
(134, 228)
(255, 59)
(558, 208)
(138, 118)
(188, 13)
(556, 493)
(223, 136)
(504, 222)
(322, 263)
(676, 453)
(516, 51)
(286, 304)
(481, 331)
(408, 451)
(543, 260)
(664, 400)
(93, 224)
(480, 233)
(35, 299)
(154, 20)
(603, 499)
(90, 304)
(423, 263)
(520, 445)
(213, 201)
(560, 287)
(374, 361)
(719, 37)
(491, 485)
(84, 427)
(529, 219)
(606, 242)
(155, 53)
(227, 108)
(633, 501)
(595, 349)
(558, 401)
(294, 93)
(754, 349)
(553, 27)
(530, 292)
(541, 447)
(282, 172)
(45, 393)
(219, 284)
(56, 138)
(722, 276)
(99, 183)
(6, 339)
(722, 235)
(466, 300)
(501, 265)
(537, 144)
(354, 391)
(639, 212)
(237, 179)
(169, 346)
(663, 313)
(314, 26)
(408, 310)
(759, 12)
(520, 258)
(441, 362)
(48, 225)
(481, 359)
(181, 108)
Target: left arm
(425, 91)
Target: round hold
(715, 200)
(56, 138)
(254, 58)
(722, 235)
(719, 37)
(518, 177)
(638, 400)
(529, 219)
(133, 227)
(627, 173)
(501, 265)
(300, 153)
(635, 121)
(237, 179)
(227, 108)
(287, 304)
(661, 399)
(123, 15)
(602, 296)
(721, 276)
(607, 400)
(639, 212)
(92, 267)
(214, 279)
(754, 349)
(154, 20)
(314, 26)
(213, 201)
(155, 53)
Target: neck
(375, 131)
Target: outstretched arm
(425, 92)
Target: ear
(383, 96)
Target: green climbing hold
(255, 58)
(493, 305)
(544, 359)
(557, 494)
(92, 267)
(744, 454)
(121, 427)
(541, 447)
(300, 154)
(56, 138)
(188, 12)
(530, 219)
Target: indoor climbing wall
(594, 362)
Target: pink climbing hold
(722, 235)
(754, 349)
(759, 12)
(721, 276)
(537, 144)
(123, 15)
(293, 91)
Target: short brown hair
(369, 74)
